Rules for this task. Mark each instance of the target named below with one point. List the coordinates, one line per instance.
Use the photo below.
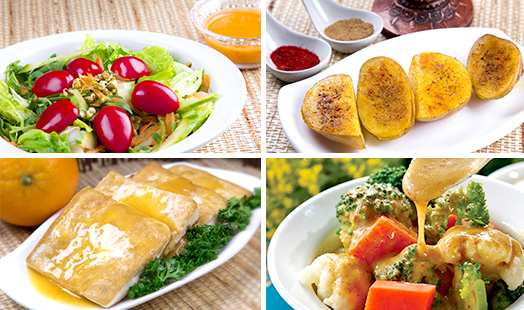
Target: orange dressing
(236, 23)
(55, 292)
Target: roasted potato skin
(385, 100)
(495, 66)
(441, 85)
(329, 108)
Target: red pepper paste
(294, 58)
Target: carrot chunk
(386, 236)
(400, 296)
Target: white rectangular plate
(14, 278)
(477, 125)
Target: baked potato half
(495, 66)
(385, 100)
(329, 108)
(441, 85)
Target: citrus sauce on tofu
(428, 178)
(53, 291)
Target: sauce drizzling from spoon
(428, 178)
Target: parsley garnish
(204, 244)
(474, 210)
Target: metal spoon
(324, 13)
(278, 35)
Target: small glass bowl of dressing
(232, 27)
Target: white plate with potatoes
(478, 124)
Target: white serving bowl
(296, 241)
(226, 79)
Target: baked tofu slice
(202, 178)
(98, 247)
(178, 212)
(208, 202)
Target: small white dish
(478, 124)
(14, 279)
(324, 13)
(278, 35)
(297, 240)
(513, 174)
(226, 78)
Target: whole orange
(32, 189)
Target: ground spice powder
(349, 30)
(294, 58)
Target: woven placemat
(505, 15)
(233, 285)
(22, 20)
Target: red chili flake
(294, 58)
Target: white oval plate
(297, 239)
(226, 78)
(477, 125)
(14, 279)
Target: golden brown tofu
(208, 201)
(178, 212)
(98, 247)
(224, 188)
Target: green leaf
(158, 59)
(80, 102)
(157, 138)
(81, 124)
(122, 105)
(204, 245)
(193, 102)
(52, 66)
(190, 84)
(474, 209)
(88, 43)
(37, 141)
(63, 58)
(11, 110)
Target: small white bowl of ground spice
(347, 30)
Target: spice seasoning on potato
(385, 100)
(349, 30)
(495, 66)
(329, 108)
(441, 85)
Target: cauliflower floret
(342, 281)
(498, 254)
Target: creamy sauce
(55, 292)
(428, 178)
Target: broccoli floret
(364, 203)
(390, 175)
(470, 206)
(501, 297)
(471, 287)
(407, 266)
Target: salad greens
(204, 244)
(20, 109)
